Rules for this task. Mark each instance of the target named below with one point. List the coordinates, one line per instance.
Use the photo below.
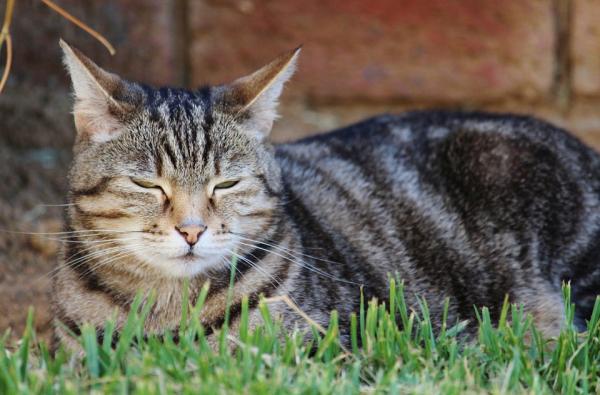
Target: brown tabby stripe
(81, 268)
(259, 213)
(96, 189)
(170, 153)
(159, 163)
(128, 195)
(62, 317)
(216, 162)
(208, 122)
(115, 214)
(248, 193)
(178, 133)
(90, 280)
(270, 191)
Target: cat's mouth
(189, 256)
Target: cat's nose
(191, 232)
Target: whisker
(271, 240)
(304, 264)
(120, 255)
(257, 267)
(291, 253)
(73, 260)
(72, 232)
(229, 266)
(56, 205)
(81, 257)
(113, 256)
(69, 240)
(74, 263)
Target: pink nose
(191, 233)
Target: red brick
(585, 41)
(141, 31)
(432, 51)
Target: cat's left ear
(100, 98)
(256, 96)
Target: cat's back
(422, 141)
(419, 129)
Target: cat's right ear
(97, 111)
(256, 95)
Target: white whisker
(84, 256)
(56, 205)
(302, 264)
(258, 268)
(287, 250)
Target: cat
(170, 185)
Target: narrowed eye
(226, 184)
(146, 184)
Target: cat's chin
(185, 266)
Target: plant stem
(62, 12)
(5, 36)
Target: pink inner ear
(94, 121)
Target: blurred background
(360, 58)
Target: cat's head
(172, 180)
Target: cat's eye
(226, 184)
(147, 184)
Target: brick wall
(359, 58)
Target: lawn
(400, 353)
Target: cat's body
(471, 207)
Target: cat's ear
(256, 95)
(97, 111)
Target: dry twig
(81, 25)
(290, 303)
(5, 36)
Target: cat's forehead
(177, 106)
(186, 132)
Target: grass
(401, 354)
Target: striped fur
(471, 207)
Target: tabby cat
(168, 185)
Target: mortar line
(562, 89)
